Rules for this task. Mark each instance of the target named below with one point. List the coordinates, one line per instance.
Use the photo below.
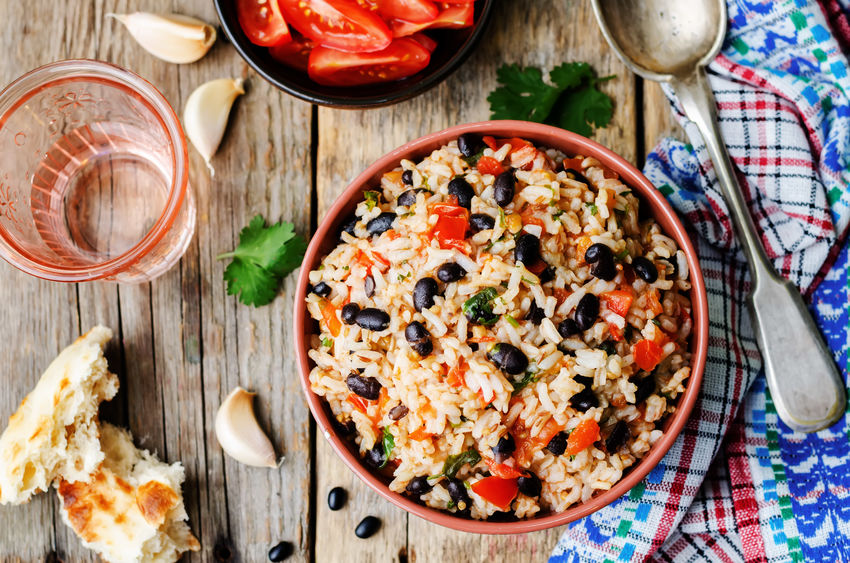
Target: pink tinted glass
(93, 175)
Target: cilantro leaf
(261, 260)
(572, 100)
(455, 462)
(388, 442)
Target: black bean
(457, 491)
(535, 314)
(367, 387)
(527, 249)
(617, 437)
(605, 269)
(597, 251)
(398, 412)
(461, 189)
(281, 551)
(424, 292)
(375, 457)
(587, 311)
(473, 346)
(381, 224)
(407, 177)
(558, 444)
(609, 346)
(567, 328)
(500, 516)
(418, 486)
(349, 313)
(645, 269)
(584, 380)
(348, 227)
(450, 272)
(645, 388)
(529, 484)
(369, 286)
(416, 332)
(346, 429)
(373, 319)
(423, 348)
(322, 289)
(508, 358)
(407, 198)
(367, 527)
(674, 264)
(578, 176)
(337, 498)
(584, 400)
(504, 448)
(468, 144)
(481, 222)
(503, 188)
(547, 275)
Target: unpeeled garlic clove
(206, 113)
(171, 37)
(239, 434)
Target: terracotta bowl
(325, 239)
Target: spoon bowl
(662, 39)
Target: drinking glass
(93, 175)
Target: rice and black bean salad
(500, 329)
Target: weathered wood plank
(658, 120)
(350, 140)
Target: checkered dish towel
(781, 85)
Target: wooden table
(182, 343)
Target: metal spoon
(672, 41)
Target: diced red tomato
(500, 492)
(455, 377)
(515, 142)
(528, 217)
(653, 302)
(332, 322)
(523, 157)
(481, 339)
(573, 164)
(358, 402)
(618, 301)
(262, 22)
(425, 41)
(608, 173)
(420, 434)
(615, 332)
(527, 445)
(561, 294)
(451, 226)
(338, 24)
(489, 165)
(293, 53)
(453, 17)
(582, 436)
(416, 11)
(582, 244)
(505, 470)
(403, 58)
(647, 354)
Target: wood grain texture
(182, 343)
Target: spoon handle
(804, 381)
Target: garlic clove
(239, 434)
(170, 37)
(206, 113)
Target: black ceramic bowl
(453, 47)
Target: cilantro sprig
(264, 256)
(572, 100)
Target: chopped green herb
(504, 284)
(467, 485)
(514, 323)
(572, 100)
(455, 462)
(609, 347)
(622, 254)
(502, 219)
(528, 281)
(389, 444)
(592, 206)
(479, 307)
(529, 378)
(402, 277)
(572, 457)
(624, 193)
(456, 424)
(472, 161)
(345, 267)
(372, 199)
(327, 342)
(408, 214)
(556, 215)
(451, 503)
(656, 322)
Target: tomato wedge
(618, 301)
(425, 41)
(647, 354)
(451, 226)
(293, 53)
(453, 17)
(339, 24)
(500, 492)
(503, 470)
(582, 436)
(262, 21)
(416, 11)
(403, 58)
